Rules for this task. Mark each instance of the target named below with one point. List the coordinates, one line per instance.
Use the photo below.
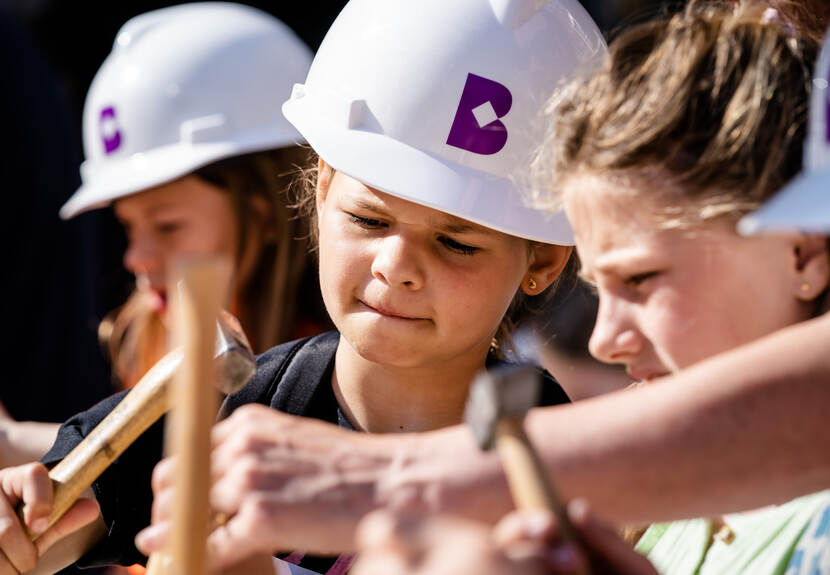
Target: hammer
(139, 409)
(496, 407)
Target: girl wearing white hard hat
(183, 141)
(421, 114)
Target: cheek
(339, 259)
(478, 298)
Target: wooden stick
(142, 407)
(195, 405)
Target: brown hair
(713, 101)
(267, 304)
(521, 308)
(808, 17)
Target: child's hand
(29, 485)
(419, 545)
(535, 534)
(275, 478)
(523, 543)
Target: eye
(168, 227)
(637, 279)
(368, 223)
(458, 246)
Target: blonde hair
(521, 308)
(712, 101)
(268, 303)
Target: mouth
(644, 374)
(155, 295)
(157, 298)
(390, 313)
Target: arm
(24, 441)
(738, 431)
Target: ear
(324, 174)
(546, 263)
(812, 267)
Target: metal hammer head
(505, 392)
(233, 354)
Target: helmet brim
(395, 168)
(801, 206)
(140, 172)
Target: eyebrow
(451, 227)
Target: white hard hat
(183, 87)
(804, 204)
(440, 102)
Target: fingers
(392, 536)
(163, 474)
(153, 538)
(20, 553)
(251, 413)
(31, 486)
(416, 545)
(82, 513)
(235, 541)
(612, 554)
(524, 526)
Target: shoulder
(79, 426)
(273, 365)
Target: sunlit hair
(268, 303)
(807, 17)
(711, 102)
(521, 308)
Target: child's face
(408, 285)
(670, 298)
(186, 217)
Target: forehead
(348, 189)
(189, 192)
(603, 210)
(612, 222)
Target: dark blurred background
(61, 278)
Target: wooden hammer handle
(527, 477)
(136, 412)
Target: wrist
(442, 472)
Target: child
(190, 167)
(420, 113)
(657, 156)
(195, 171)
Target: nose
(397, 262)
(142, 255)
(615, 338)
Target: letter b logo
(476, 127)
(108, 128)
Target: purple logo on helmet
(476, 127)
(108, 128)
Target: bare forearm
(739, 431)
(25, 441)
(742, 430)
